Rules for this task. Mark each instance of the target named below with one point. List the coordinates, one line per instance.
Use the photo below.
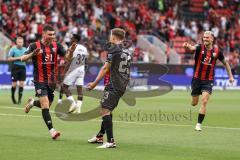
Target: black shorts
(43, 89)
(110, 99)
(198, 86)
(18, 73)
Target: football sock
(108, 125)
(79, 103)
(20, 93)
(102, 130)
(37, 103)
(13, 89)
(60, 96)
(72, 99)
(80, 98)
(47, 118)
(61, 93)
(200, 118)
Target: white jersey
(76, 71)
(79, 57)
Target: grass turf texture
(139, 131)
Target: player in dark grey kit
(118, 62)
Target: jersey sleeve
(30, 48)
(11, 52)
(221, 56)
(198, 48)
(60, 50)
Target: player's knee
(21, 84)
(14, 84)
(204, 101)
(44, 103)
(105, 112)
(194, 103)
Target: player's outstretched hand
(91, 85)
(231, 80)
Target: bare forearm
(68, 55)
(189, 46)
(101, 74)
(228, 68)
(26, 57)
(12, 59)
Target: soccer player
(118, 63)
(18, 72)
(44, 57)
(206, 55)
(75, 74)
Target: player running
(118, 63)
(75, 75)
(44, 57)
(18, 72)
(206, 55)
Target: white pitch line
(124, 122)
(20, 108)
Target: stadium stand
(172, 21)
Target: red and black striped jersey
(46, 63)
(205, 61)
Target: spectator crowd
(92, 19)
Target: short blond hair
(209, 32)
(119, 33)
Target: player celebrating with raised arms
(206, 55)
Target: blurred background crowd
(172, 21)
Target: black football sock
(200, 118)
(108, 125)
(47, 118)
(37, 103)
(61, 93)
(102, 130)
(20, 93)
(13, 89)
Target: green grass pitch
(158, 128)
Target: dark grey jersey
(120, 60)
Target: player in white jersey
(75, 74)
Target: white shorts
(75, 77)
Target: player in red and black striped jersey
(206, 55)
(44, 55)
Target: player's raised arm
(189, 46)
(100, 75)
(70, 51)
